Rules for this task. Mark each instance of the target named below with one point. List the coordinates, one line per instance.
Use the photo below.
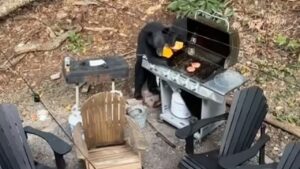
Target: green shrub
(287, 43)
(76, 43)
(190, 7)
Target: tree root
(9, 6)
(50, 45)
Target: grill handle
(214, 16)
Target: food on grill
(196, 65)
(190, 69)
(167, 52)
(180, 62)
(177, 46)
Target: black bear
(151, 42)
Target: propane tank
(178, 106)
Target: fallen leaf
(153, 9)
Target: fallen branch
(165, 139)
(162, 136)
(295, 130)
(13, 62)
(9, 6)
(50, 45)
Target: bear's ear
(149, 38)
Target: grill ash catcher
(92, 71)
(187, 96)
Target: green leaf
(173, 5)
(293, 45)
(201, 3)
(214, 1)
(281, 40)
(228, 12)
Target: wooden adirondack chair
(14, 149)
(245, 118)
(289, 160)
(104, 123)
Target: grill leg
(261, 159)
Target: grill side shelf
(187, 83)
(208, 89)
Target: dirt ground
(35, 22)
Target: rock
(25, 113)
(34, 117)
(276, 149)
(61, 15)
(152, 101)
(133, 102)
(55, 76)
(279, 108)
(85, 88)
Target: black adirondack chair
(14, 149)
(244, 119)
(289, 160)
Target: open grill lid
(208, 41)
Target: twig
(128, 53)
(86, 2)
(165, 139)
(14, 60)
(101, 29)
(159, 134)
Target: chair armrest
(57, 145)
(264, 166)
(234, 160)
(189, 130)
(81, 147)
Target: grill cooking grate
(207, 70)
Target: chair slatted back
(246, 116)
(291, 157)
(103, 117)
(14, 149)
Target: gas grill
(216, 49)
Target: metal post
(77, 98)
(261, 158)
(113, 88)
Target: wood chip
(55, 76)
(85, 2)
(100, 29)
